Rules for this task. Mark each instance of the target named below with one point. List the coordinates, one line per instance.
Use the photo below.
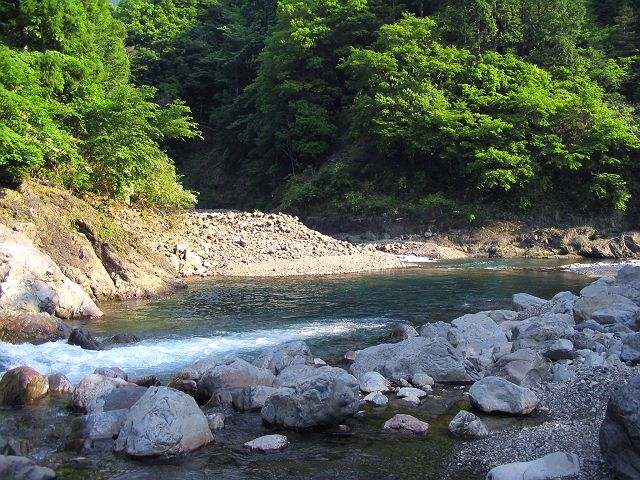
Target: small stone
(59, 384)
(374, 382)
(467, 425)
(216, 421)
(350, 356)
(411, 392)
(406, 424)
(422, 380)
(268, 443)
(377, 398)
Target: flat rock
(268, 443)
(403, 423)
(554, 466)
(434, 356)
(497, 395)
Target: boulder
(59, 384)
(422, 381)
(22, 468)
(374, 382)
(402, 423)
(497, 395)
(233, 373)
(434, 356)
(476, 337)
(325, 396)
(538, 332)
(524, 367)
(409, 401)
(31, 282)
(403, 331)
(84, 339)
(435, 330)
(524, 301)
(467, 425)
(620, 431)
(607, 308)
(554, 466)
(377, 398)
(92, 394)
(112, 372)
(96, 429)
(268, 443)
(33, 328)
(164, 422)
(22, 386)
(500, 316)
(254, 397)
(282, 356)
(631, 348)
(561, 349)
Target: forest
(459, 107)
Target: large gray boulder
(477, 336)
(497, 395)
(31, 282)
(433, 356)
(231, 374)
(620, 431)
(22, 468)
(164, 422)
(435, 330)
(96, 429)
(555, 466)
(538, 333)
(525, 367)
(325, 396)
(524, 301)
(282, 356)
(254, 397)
(467, 425)
(97, 393)
(607, 308)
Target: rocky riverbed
(547, 386)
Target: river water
(241, 316)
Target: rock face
(22, 468)
(323, 396)
(497, 395)
(33, 283)
(619, 431)
(406, 424)
(34, 328)
(282, 356)
(433, 356)
(231, 374)
(164, 422)
(467, 425)
(22, 386)
(554, 466)
(268, 443)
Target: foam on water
(167, 355)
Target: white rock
(410, 392)
(550, 467)
(407, 424)
(374, 382)
(423, 381)
(377, 398)
(268, 443)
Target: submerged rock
(467, 425)
(22, 386)
(84, 339)
(406, 424)
(433, 356)
(321, 397)
(268, 443)
(554, 466)
(22, 468)
(620, 429)
(497, 395)
(164, 422)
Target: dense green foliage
(364, 106)
(69, 111)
